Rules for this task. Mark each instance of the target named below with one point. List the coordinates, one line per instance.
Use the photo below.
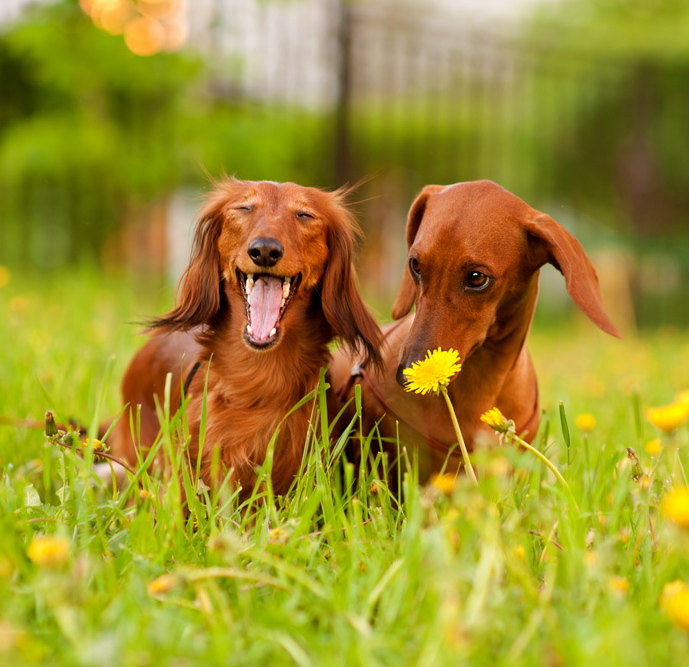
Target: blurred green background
(113, 114)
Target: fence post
(341, 166)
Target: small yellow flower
(496, 420)
(676, 506)
(591, 558)
(452, 515)
(618, 585)
(48, 550)
(162, 584)
(585, 421)
(445, 483)
(94, 443)
(6, 568)
(668, 417)
(436, 370)
(520, 552)
(669, 591)
(653, 447)
(674, 600)
(278, 536)
(5, 276)
(498, 467)
(19, 304)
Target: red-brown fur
(451, 232)
(251, 390)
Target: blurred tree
(625, 149)
(87, 133)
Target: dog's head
(474, 254)
(263, 251)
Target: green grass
(340, 572)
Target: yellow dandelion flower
(499, 467)
(5, 276)
(585, 421)
(445, 483)
(520, 552)
(94, 443)
(653, 447)
(162, 584)
(675, 603)
(496, 420)
(591, 558)
(436, 370)
(669, 591)
(452, 515)
(618, 585)
(48, 550)
(668, 417)
(676, 506)
(278, 536)
(19, 304)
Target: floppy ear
(565, 253)
(198, 296)
(407, 292)
(342, 304)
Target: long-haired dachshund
(269, 285)
(475, 251)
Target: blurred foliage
(84, 132)
(585, 118)
(620, 155)
(89, 133)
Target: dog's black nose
(401, 377)
(265, 251)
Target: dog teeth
(285, 289)
(249, 283)
(282, 303)
(249, 330)
(273, 331)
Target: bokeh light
(148, 26)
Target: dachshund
(269, 285)
(474, 254)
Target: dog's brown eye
(303, 215)
(477, 280)
(414, 266)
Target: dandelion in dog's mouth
(432, 375)
(433, 372)
(266, 298)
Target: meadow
(342, 571)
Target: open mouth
(266, 298)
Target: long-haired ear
(198, 294)
(407, 292)
(565, 253)
(342, 304)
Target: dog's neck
(501, 359)
(293, 364)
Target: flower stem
(548, 463)
(458, 433)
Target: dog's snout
(265, 251)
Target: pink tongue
(264, 310)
